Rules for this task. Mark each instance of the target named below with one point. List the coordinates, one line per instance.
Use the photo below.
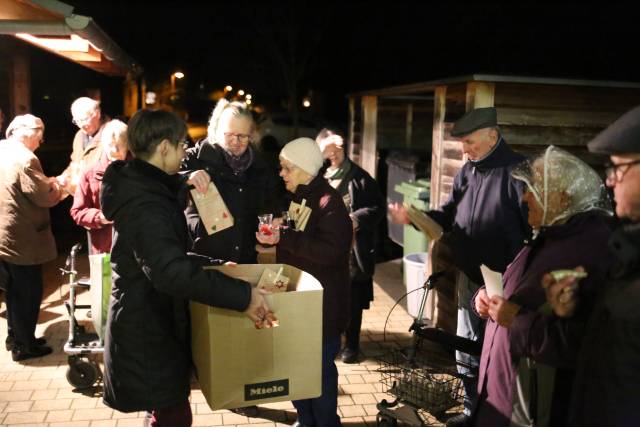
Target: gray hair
(239, 109)
(83, 106)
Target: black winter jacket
(606, 391)
(485, 215)
(247, 195)
(322, 250)
(364, 201)
(147, 353)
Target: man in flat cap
(608, 371)
(485, 220)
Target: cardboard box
(238, 365)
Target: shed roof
(52, 25)
(429, 86)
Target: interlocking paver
(36, 392)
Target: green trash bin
(415, 193)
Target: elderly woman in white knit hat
(320, 244)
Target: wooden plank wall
(531, 117)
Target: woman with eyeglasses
(243, 178)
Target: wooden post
(480, 94)
(353, 154)
(409, 126)
(20, 86)
(368, 152)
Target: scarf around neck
(238, 164)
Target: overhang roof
(52, 25)
(429, 86)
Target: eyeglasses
(183, 144)
(615, 172)
(242, 138)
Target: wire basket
(429, 383)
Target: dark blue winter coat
(484, 215)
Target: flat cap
(621, 136)
(479, 118)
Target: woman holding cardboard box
(320, 244)
(147, 352)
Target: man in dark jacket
(147, 347)
(365, 204)
(485, 218)
(608, 371)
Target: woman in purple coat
(528, 354)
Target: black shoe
(10, 342)
(247, 411)
(297, 423)
(23, 353)
(459, 420)
(349, 355)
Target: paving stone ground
(36, 392)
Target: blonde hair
(239, 109)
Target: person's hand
(482, 303)
(273, 239)
(103, 220)
(199, 179)
(354, 222)
(398, 213)
(276, 223)
(502, 311)
(562, 295)
(258, 310)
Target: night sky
(342, 47)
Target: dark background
(280, 51)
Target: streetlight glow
(240, 92)
(248, 102)
(178, 74)
(248, 96)
(306, 103)
(228, 88)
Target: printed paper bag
(212, 210)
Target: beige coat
(26, 195)
(81, 159)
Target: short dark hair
(147, 128)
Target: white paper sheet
(492, 281)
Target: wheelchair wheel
(83, 373)
(383, 420)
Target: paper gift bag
(212, 209)
(300, 214)
(100, 290)
(238, 365)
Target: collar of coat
(304, 190)
(213, 156)
(500, 156)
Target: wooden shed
(533, 112)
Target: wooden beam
(555, 118)
(20, 82)
(368, 153)
(479, 94)
(439, 112)
(409, 126)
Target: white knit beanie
(305, 154)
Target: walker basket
(423, 381)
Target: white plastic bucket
(414, 273)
